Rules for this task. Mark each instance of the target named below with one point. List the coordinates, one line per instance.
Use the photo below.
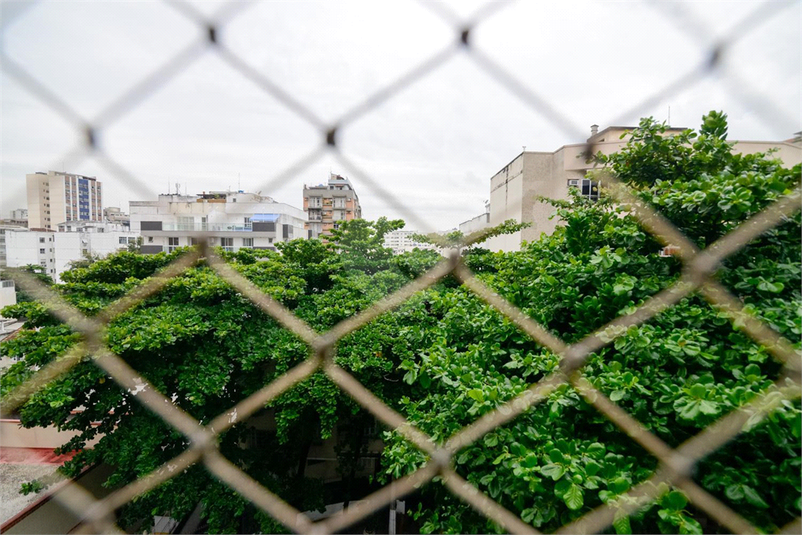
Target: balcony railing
(206, 227)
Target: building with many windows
(328, 204)
(55, 197)
(232, 220)
(55, 249)
(402, 241)
(515, 189)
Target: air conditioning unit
(573, 182)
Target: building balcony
(206, 227)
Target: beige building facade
(515, 188)
(328, 204)
(56, 197)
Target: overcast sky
(434, 144)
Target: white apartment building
(55, 197)
(8, 294)
(54, 250)
(232, 220)
(401, 241)
(515, 188)
(475, 224)
(20, 214)
(113, 214)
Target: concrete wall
(506, 189)
(58, 206)
(8, 296)
(480, 222)
(790, 154)
(15, 436)
(35, 186)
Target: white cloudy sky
(434, 144)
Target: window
(8, 284)
(172, 244)
(589, 189)
(41, 240)
(248, 222)
(150, 239)
(247, 242)
(41, 251)
(227, 244)
(123, 240)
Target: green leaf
(689, 526)
(617, 395)
(754, 498)
(556, 456)
(772, 287)
(752, 369)
(554, 471)
(464, 456)
(708, 407)
(561, 487)
(476, 395)
(597, 449)
(592, 468)
(734, 492)
(675, 500)
(690, 411)
(530, 461)
(621, 523)
(424, 380)
(698, 391)
(500, 458)
(618, 485)
(574, 497)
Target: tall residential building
(56, 197)
(328, 204)
(515, 188)
(232, 220)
